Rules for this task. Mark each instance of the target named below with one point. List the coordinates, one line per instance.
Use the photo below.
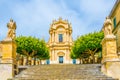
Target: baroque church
(60, 42)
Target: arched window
(60, 37)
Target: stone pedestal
(8, 65)
(110, 60)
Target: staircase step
(63, 72)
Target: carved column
(51, 55)
(66, 36)
(57, 37)
(55, 56)
(69, 37)
(54, 36)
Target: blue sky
(33, 17)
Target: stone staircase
(63, 72)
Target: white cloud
(37, 16)
(33, 17)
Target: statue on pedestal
(107, 27)
(11, 29)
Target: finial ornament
(107, 27)
(11, 29)
(60, 18)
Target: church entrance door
(60, 59)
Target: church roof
(60, 22)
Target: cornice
(114, 8)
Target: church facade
(115, 17)
(60, 42)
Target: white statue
(11, 29)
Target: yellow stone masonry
(110, 60)
(8, 62)
(60, 42)
(115, 18)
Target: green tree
(87, 45)
(43, 49)
(32, 47)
